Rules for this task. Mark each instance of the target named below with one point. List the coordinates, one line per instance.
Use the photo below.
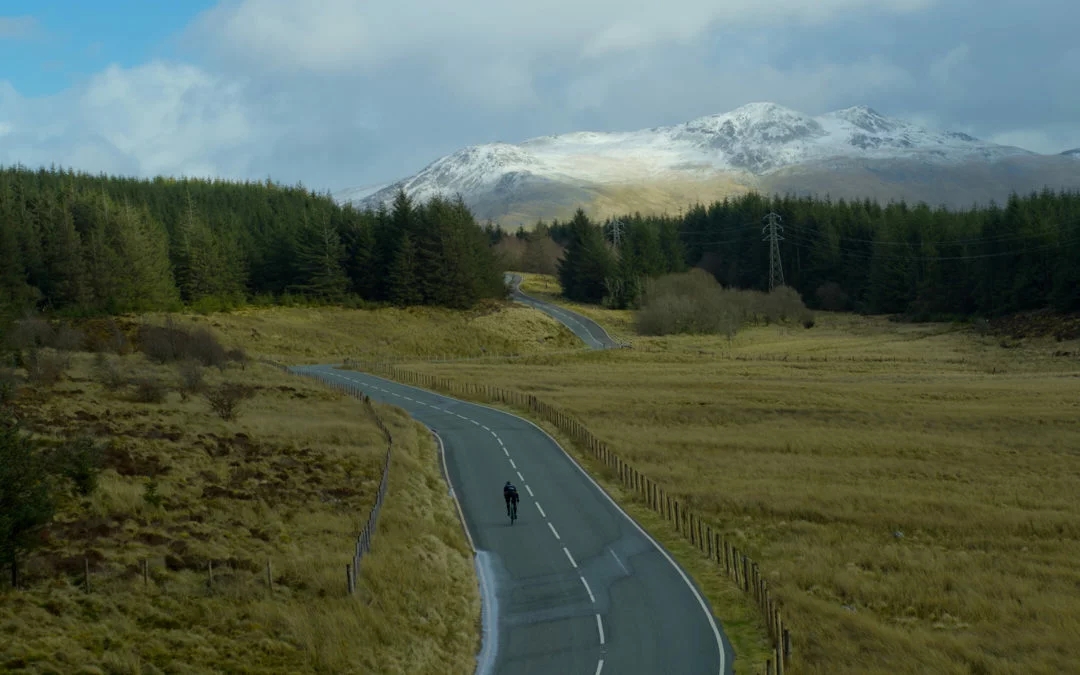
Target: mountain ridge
(759, 146)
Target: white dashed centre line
(520, 477)
(599, 666)
(484, 427)
(554, 531)
(506, 452)
(530, 491)
(588, 590)
(512, 465)
(600, 627)
(574, 564)
(540, 509)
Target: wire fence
(737, 565)
(363, 540)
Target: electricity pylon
(773, 234)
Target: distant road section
(585, 328)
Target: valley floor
(909, 490)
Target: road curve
(575, 586)
(585, 328)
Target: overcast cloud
(341, 93)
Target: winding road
(575, 586)
(585, 328)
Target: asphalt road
(588, 330)
(575, 586)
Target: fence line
(363, 540)
(739, 567)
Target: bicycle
(511, 510)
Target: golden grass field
(291, 482)
(910, 491)
(318, 335)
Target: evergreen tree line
(81, 244)
(916, 261)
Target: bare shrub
(45, 366)
(150, 390)
(33, 332)
(108, 373)
(785, 304)
(225, 400)
(541, 255)
(191, 377)
(9, 385)
(169, 344)
(510, 252)
(68, 339)
(104, 335)
(832, 297)
(238, 355)
(693, 302)
(206, 348)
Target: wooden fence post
(86, 574)
(269, 578)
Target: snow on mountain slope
(1072, 153)
(754, 140)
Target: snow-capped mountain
(1072, 153)
(758, 146)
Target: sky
(347, 93)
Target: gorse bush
(695, 303)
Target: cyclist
(510, 494)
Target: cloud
(356, 36)
(154, 119)
(1045, 141)
(339, 93)
(17, 27)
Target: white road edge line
(540, 509)
(572, 561)
(689, 584)
(600, 627)
(554, 531)
(588, 590)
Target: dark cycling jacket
(510, 494)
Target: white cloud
(15, 27)
(1045, 141)
(350, 36)
(944, 69)
(153, 119)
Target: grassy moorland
(909, 490)
(313, 335)
(290, 481)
